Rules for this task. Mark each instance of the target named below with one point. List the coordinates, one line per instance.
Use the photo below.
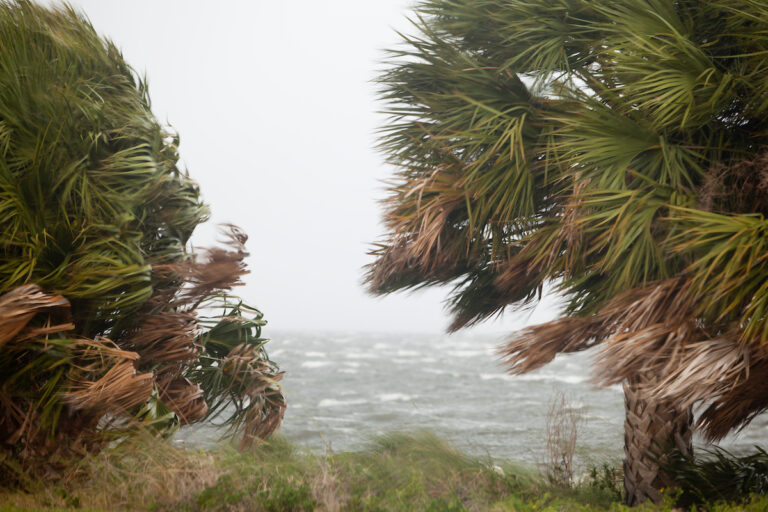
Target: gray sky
(276, 111)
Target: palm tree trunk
(651, 428)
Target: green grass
(397, 472)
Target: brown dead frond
(649, 328)
(568, 242)
(221, 268)
(514, 272)
(106, 380)
(398, 265)
(536, 346)
(191, 282)
(91, 354)
(644, 329)
(706, 369)
(654, 350)
(116, 392)
(167, 338)
(740, 187)
(247, 373)
(428, 239)
(723, 373)
(183, 397)
(263, 420)
(21, 304)
(243, 362)
(31, 333)
(739, 405)
(665, 302)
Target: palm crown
(613, 148)
(99, 292)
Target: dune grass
(397, 472)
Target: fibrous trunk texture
(652, 428)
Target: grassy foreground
(398, 472)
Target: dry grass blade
(563, 426)
(21, 304)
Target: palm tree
(615, 150)
(99, 293)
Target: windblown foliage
(617, 149)
(98, 292)
(720, 476)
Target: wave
(395, 397)
(534, 377)
(360, 355)
(332, 402)
(466, 353)
(315, 364)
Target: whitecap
(533, 377)
(395, 397)
(332, 402)
(496, 376)
(567, 379)
(315, 354)
(360, 355)
(465, 353)
(314, 364)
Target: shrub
(99, 293)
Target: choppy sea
(344, 389)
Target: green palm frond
(603, 146)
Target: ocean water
(344, 389)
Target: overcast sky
(276, 111)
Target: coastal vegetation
(613, 152)
(397, 472)
(109, 323)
